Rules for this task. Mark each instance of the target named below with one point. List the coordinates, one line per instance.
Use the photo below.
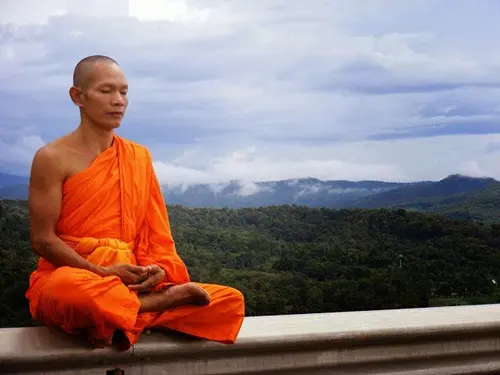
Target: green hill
(457, 197)
(291, 259)
(480, 206)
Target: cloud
(492, 147)
(342, 89)
(19, 153)
(395, 160)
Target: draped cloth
(114, 212)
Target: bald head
(86, 67)
(100, 90)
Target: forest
(293, 259)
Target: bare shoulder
(49, 160)
(48, 172)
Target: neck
(95, 139)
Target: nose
(118, 99)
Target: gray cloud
(212, 78)
(492, 147)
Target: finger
(144, 286)
(156, 270)
(155, 267)
(137, 269)
(139, 288)
(129, 278)
(148, 284)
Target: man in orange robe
(108, 264)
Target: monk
(108, 266)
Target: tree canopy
(292, 259)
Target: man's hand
(128, 273)
(154, 276)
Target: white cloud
(264, 90)
(396, 160)
(249, 167)
(173, 11)
(472, 168)
(25, 12)
(249, 188)
(22, 150)
(32, 12)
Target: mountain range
(13, 187)
(457, 196)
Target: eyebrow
(104, 84)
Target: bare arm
(45, 197)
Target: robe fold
(114, 212)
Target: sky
(267, 89)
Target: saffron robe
(114, 212)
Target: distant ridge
(456, 195)
(10, 179)
(451, 185)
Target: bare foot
(175, 296)
(188, 294)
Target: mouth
(115, 114)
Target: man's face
(104, 100)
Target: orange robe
(114, 212)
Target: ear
(76, 95)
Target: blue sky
(267, 89)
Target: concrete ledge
(445, 340)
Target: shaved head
(85, 68)
(100, 91)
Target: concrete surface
(445, 340)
